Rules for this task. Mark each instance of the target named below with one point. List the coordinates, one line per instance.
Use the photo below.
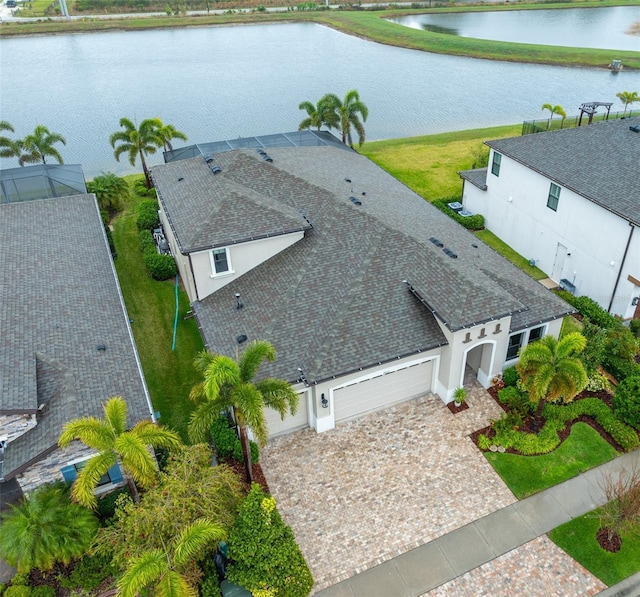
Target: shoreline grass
(373, 26)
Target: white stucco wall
(182, 261)
(594, 239)
(243, 257)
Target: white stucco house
(369, 294)
(66, 342)
(570, 200)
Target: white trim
(229, 270)
(483, 379)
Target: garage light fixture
(324, 401)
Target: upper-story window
(554, 197)
(495, 165)
(220, 262)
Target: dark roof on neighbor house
(61, 304)
(41, 181)
(352, 293)
(477, 177)
(600, 161)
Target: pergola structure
(591, 108)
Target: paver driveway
(382, 484)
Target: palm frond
(173, 584)
(152, 434)
(115, 414)
(149, 568)
(136, 458)
(194, 538)
(279, 395)
(201, 420)
(89, 477)
(222, 370)
(249, 408)
(90, 431)
(253, 356)
(203, 360)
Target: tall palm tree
(164, 570)
(349, 112)
(166, 132)
(319, 114)
(554, 110)
(110, 438)
(551, 370)
(628, 97)
(228, 386)
(46, 528)
(40, 144)
(137, 142)
(9, 148)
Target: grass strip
(151, 306)
(506, 251)
(578, 538)
(525, 475)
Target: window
(220, 262)
(495, 165)
(554, 197)
(536, 334)
(71, 472)
(515, 342)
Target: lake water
(225, 82)
(604, 28)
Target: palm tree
(9, 148)
(110, 438)
(137, 142)
(46, 528)
(228, 386)
(166, 132)
(167, 570)
(110, 190)
(317, 115)
(551, 370)
(628, 97)
(554, 110)
(348, 111)
(37, 146)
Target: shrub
(17, 591)
(510, 376)
(42, 591)
(89, 572)
(2, 588)
(161, 267)
(626, 401)
(20, 579)
(263, 552)
(140, 187)
(228, 444)
(106, 507)
(148, 218)
(597, 382)
(516, 400)
(634, 326)
(146, 241)
(475, 222)
(483, 442)
(591, 310)
(111, 192)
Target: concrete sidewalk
(414, 573)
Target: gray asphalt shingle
(336, 301)
(60, 301)
(600, 161)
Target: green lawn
(525, 475)
(506, 251)
(151, 306)
(429, 164)
(578, 538)
(570, 324)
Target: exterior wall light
(324, 401)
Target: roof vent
(436, 242)
(635, 128)
(208, 158)
(101, 348)
(215, 168)
(181, 179)
(355, 200)
(347, 180)
(264, 154)
(450, 253)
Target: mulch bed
(564, 433)
(457, 409)
(238, 468)
(611, 543)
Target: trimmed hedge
(475, 222)
(148, 217)
(161, 267)
(626, 401)
(228, 443)
(590, 309)
(510, 376)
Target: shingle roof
(337, 301)
(600, 161)
(204, 214)
(60, 301)
(477, 177)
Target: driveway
(377, 486)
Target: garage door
(382, 391)
(300, 420)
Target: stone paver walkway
(378, 486)
(539, 567)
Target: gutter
(624, 258)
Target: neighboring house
(570, 200)
(66, 343)
(369, 294)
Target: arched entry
(480, 359)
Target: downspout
(624, 258)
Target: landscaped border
(372, 25)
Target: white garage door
(300, 420)
(382, 391)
